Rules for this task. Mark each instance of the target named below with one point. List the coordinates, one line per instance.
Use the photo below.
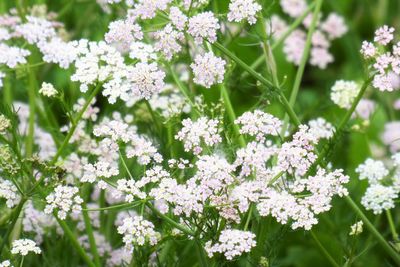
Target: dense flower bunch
(382, 60)
(383, 188)
(147, 154)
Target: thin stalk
(71, 131)
(392, 226)
(153, 116)
(15, 217)
(169, 220)
(231, 114)
(182, 88)
(89, 232)
(75, 242)
(343, 123)
(201, 255)
(32, 112)
(116, 207)
(261, 79)
(381, 240)
(303, 61)
(282, 38)
(324, 250)
(7, 92)
(75, 123)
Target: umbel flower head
(24, 246)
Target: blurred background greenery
(285, 247)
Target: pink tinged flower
(243, 10)
(294, 8)
(368, 50)
(391, 135)
(384, 35)
(320, 57)
(204, 26)
(334, 26)
(365, 109)
(208, 69)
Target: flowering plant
(150, 131)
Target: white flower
(390, 136)
(194, 134)
(146, 9)
(63, 200)
(334, 26)
(48, 90)
(177, 18)
(142, 51)
(243, 10)
(320, 57)
(24, 246)
(384, 35)
(62, 53)
(343, 93)
(36, 30)
(208, 69)
(321, 128)
(10, 192)
(12, 56)
(232, 243)
(356, 228)
(379, 198)
(373, 170)
(294, 8)
(137, 231)
(298, 155)
(167, 41)
(368, 50)
(259, 124)
(5, 263)
(204, 26)
(146, 79)
(123, 32)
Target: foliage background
(285, 247)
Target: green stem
(15, 217)
(75, 123)
(262, 80)
(231, 114)
(281, 39)
(32, 111)
(170, 221)
(89, 232)
(182, 88)
(385, 245)
(340, 129)
(116, 207)
(71, 131)
(324, 250)
(303, 61)
(201, 255)
(75, 242)
(392, 226)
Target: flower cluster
(384, 63)
(259, 124)
(137, 231)
(201, 131)
(232, 243)
(24, 246)
(383, 189)
(63, 200)
(208, 69)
